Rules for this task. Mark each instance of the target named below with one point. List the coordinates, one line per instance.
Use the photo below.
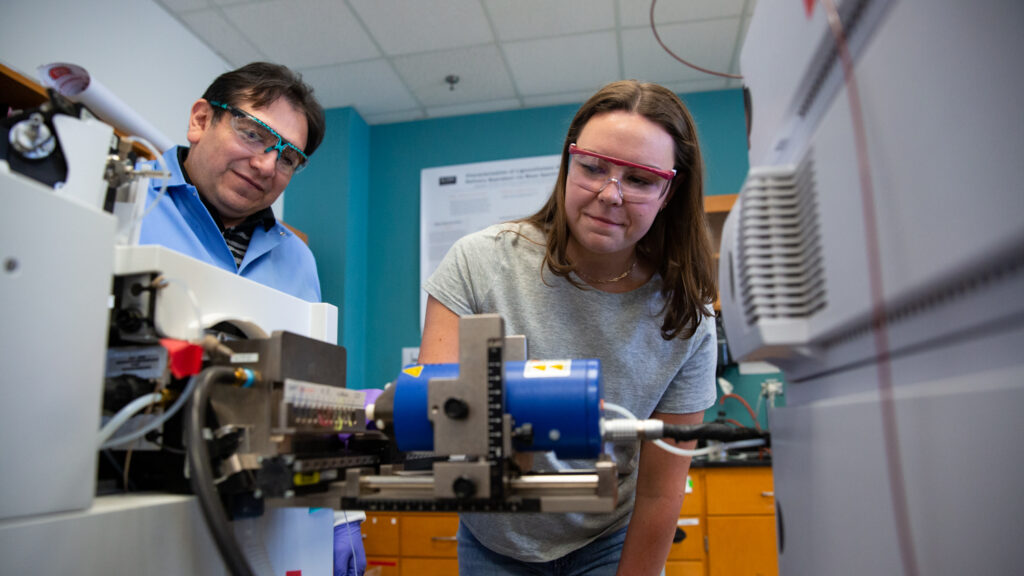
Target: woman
(616, 266)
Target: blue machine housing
(561, 400)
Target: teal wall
(328, 201)
(748, 386)
(359, 202)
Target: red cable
(897, 485)
(749, 409)
(673, 54)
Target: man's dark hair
(261, 84)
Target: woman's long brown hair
(678, 244)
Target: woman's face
(602, 223)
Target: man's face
(235, 180)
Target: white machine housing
(221, 296)
(939, 88)
(57, 261)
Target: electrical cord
(351, 544)
(897, 483)
(712, 431)
(201, 474)
(673, 54)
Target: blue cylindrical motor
(559, 399)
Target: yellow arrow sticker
(414, 371)
(547, 368)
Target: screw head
(464, 487)
(456, 408)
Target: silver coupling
(620, 431)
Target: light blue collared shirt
(275, 257)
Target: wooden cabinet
(689, 557)
(410, 544)
(429, 567)
(741, 522)
(380, 534)
(717, 208)
(429, 535)
(378, 566)
(380, 541)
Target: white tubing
(133, 407)
(709, 449)
(153, 424)
(621, 411)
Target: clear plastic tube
(124, 414)
(152, 425)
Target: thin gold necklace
(622, 276)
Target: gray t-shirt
(497, 270)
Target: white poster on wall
(458, 200)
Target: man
(253, 129)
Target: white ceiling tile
(571, 63)
(303, 33)
(473, 108)
(403, 27)
(524, 19)
(371, 87)
(394, 117)
(638, 12)
(211, 27)
(708, 44)
(542, 100)
(482, 76)
(178, 6)
(388, 58)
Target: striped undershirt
(238, 238)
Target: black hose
(201, 477)
(714, 431)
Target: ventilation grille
(781, 271)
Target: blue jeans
(599, 558)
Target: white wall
(134, 47)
